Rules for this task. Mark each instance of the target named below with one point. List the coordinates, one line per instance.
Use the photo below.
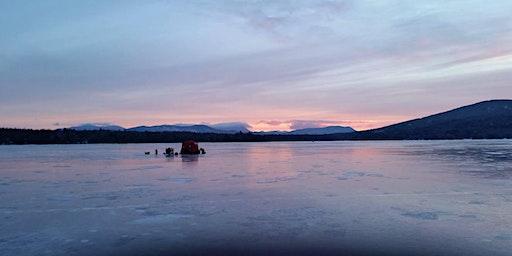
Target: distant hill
(227, 128)
(197, 128)
(484, 120)
(96, 127)
(312, 131)
(323, 130)
(232, 127)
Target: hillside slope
(484, 120)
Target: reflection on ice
(433, 197)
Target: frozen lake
(416, 197)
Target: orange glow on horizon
(356, 124)
(258, 122)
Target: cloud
(302, 124)
(366, 63)
(272, 122)
(286, 21)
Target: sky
(276, 65)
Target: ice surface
(433, 197)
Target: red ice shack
(189, 147)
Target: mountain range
(228, 128)
(484, 120)
(97, 126)
(221, 128)
(312, 131)
(487, 119)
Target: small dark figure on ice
(169, 151)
